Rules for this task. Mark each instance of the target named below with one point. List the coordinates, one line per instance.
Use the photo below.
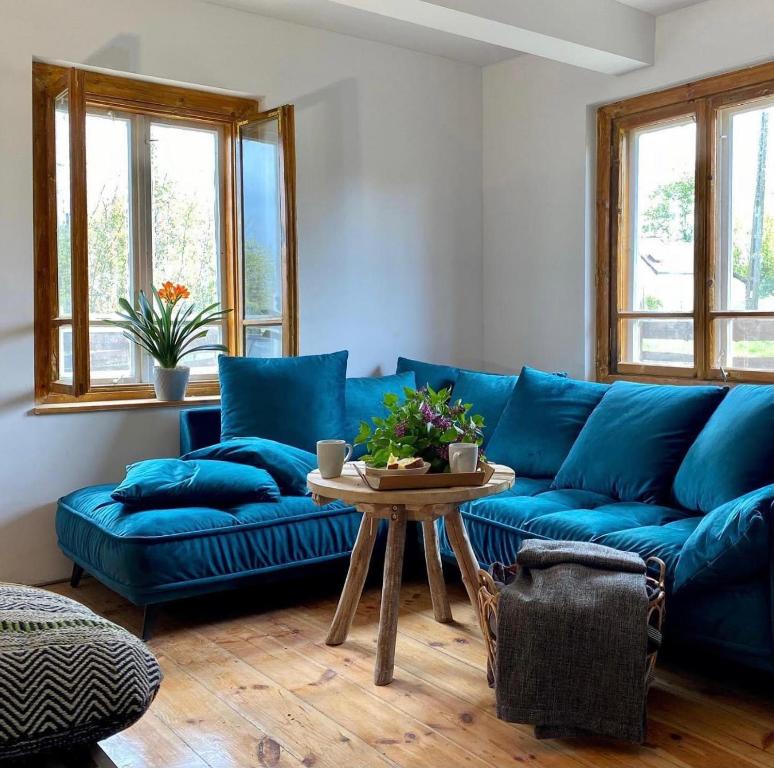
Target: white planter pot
(170, 383)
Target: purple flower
(400, 429)
(442, 451)
(442, 422)
(428, 414)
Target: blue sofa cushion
(173, 482)
(541, 421)
(365, 399)
(295, 400)
(429, 374)
(731, 543)
(733, 454)
(634, 441)
(156, 555)
(663, 541)
(588, 524)
(288, 465)
(488, 393)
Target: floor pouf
(67, 676)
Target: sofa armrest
(199, 427)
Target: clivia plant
(168, 332)
(423, 424)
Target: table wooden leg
(458, 538)
(356, 576)
(388, 617)
(441, 608)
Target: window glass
(63, 250)
(745, 268)
(657, 341)
(263, 341)
(261, 220)
(185, 209)
(112, 358)
(659, 265)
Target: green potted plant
(168, 332)
(424, 424)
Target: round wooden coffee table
(398, 507)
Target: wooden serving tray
(439, 480)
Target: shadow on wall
(330, 199)
(22, 562)
(122, 53)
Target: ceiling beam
(602, 35)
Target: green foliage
(165, 330)
(183, 237)
(260, 276)
(653, 303)
(670, 215)
(741, 264)
(423, 425)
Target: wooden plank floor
(257, 686)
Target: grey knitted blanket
(572, 641)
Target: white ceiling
(611, 36)
(325, 14)
(658, 7)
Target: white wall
(539, 137)
(389, 210)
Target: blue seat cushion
(497, 525)
(541, 421)
(634, 441)
(294, 400)
(365, 399)
(663, 541)
(488, 393)
(173, 482)
(733, 454)
(155, 555)
(588, 524)
(731, 543)
(429, 374)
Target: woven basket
(489, 598)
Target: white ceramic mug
(463, 457)
(331, 455)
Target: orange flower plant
(166, 331)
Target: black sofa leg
(148, 620)
(75, 577)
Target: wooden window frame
(224, 112)
(703, 98)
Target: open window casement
(121, 169)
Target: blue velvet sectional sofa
(682, 473)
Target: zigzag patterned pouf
(67, 676)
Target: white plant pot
(170, 383)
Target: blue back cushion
(199, 427)
(289, 466)
(294, 400)
(733, 454)
(731, 543)
(541, 420)
(177, 483)
(488, 393)
(365, 399)
(436, 376)
(634, 441)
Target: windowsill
(43, 409)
